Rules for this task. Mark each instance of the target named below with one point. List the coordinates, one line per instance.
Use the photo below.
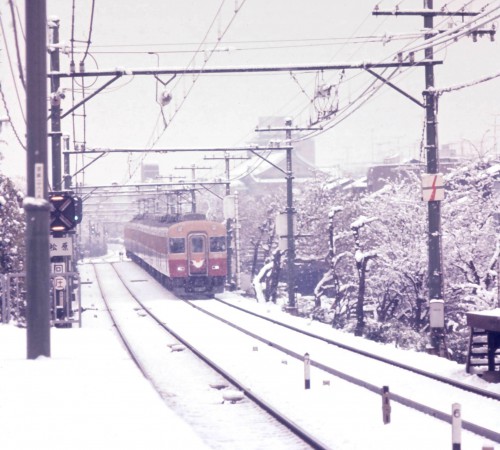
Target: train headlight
(181, 269)
(215, 267)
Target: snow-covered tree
(362, 258)
(12, 225)
(12, 246)
(470, 248)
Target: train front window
(218, 244)
(197, 244)
(177, 245)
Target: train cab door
(197, 254)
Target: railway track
(255, 410)
(346, 375)
(244, 324)
(433, 376)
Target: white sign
(39, 180)
(229, 207)
(60, 246)
(58, 267)
(59, 283)
(432, 187)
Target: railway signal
(65, 211)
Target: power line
(21, 107)
(89, 35)
(4, 101)
(455, 36)
(18, 53)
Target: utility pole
(36, 205)
(55, 104)
(435, 266)
(229, 230)
(290, 210)
(193, 169)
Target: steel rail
(121, 335)
(288, 423)
(454, 383)
(466, 425)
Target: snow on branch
(362, 221)
(334, 210)
(359, 256)
(259, 279)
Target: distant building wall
(149, 171)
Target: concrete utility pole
(193, 169)
(55, 104)
(229, 229)
(37, 211)
(435, 266)
(290, 210)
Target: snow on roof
(359, 183)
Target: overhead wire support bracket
(269, 162)
(85, 100)
(173, 150)
(393, 86)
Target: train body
(187, 255)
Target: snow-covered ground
(89, 395)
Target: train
(187, 254)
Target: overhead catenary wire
(207, 58)
(427, 43)
(89, 39)
(454, 38)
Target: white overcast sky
(223, 110)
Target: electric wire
(16, 134)
(188, 66)
(16, 41)
(9, 60)
(459, 87)
(89, 35)
(185, 96)
(455, 38)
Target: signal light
(65, 211)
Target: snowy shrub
(12, 246)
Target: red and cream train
(187, 254)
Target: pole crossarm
(250, 69)
(423, 12)
(393, 86)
